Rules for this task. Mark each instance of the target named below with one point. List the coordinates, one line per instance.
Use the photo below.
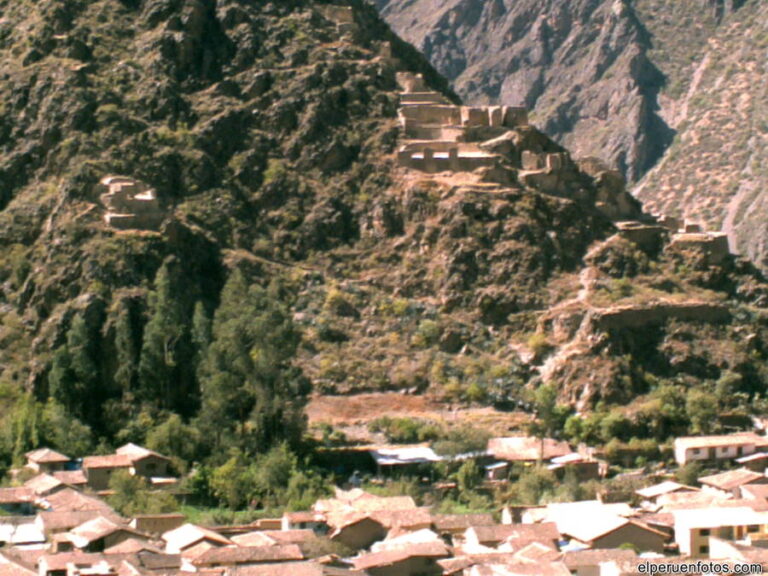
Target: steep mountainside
(276, 223)
(581, 65)
(715, 171)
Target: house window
(703, 549)
(704, 532)
(151, 466)
(753, 528)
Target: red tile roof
(249, 555)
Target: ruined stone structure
(714, 245)
(438, 135)
(130, 204)
(650, 238)
(343, 16)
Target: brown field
(343, 411)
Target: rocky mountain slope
(582, 65)
(715, 170)
(266, 141)
(618, 80)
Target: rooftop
(249, 555)
(391, 557)
(739, 438)
(664, 488)
(527, 448)
(46, 456)
(732, 479)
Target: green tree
(550, 416)
(27, 426)
(176, 439)
(74, 376)
(702, 410)
(158, 375)
(132, 495)
(251, 392)
(65, 432)
(126, 352)
(535, 485)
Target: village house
(730, 483)
(21, 531)
(756, 462)
(451, 525)
(44, 484)
(99, 533)
(193, 538)
(416, 560)
(613, 532)
(46, 460)
(244, 556)
(651, 494)
(306, 520)
(599, 562)
(723, 447)
(18, 501)
(133, 459)
(694, 527)
(358, 531)
(157, 523)
(522, 534)
(527, 449)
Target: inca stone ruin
(130, 204)
(497, 145)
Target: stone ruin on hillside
(497, 142)
(440, 137)
(130, 204)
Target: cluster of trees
(167, 372)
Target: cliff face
(715, 171)
(582, 66)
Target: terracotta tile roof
(526, 448)
(69, 500)
(96, 529)
(56, 562)
(359, 501)
(71, 477)
(108, 461)
(434, 550)
(284, 569)
(132, 546)
(756, 491)
(42, 484)
(667, 487)
(593, 557)
(21, 495)
(460, 522)
(273, 536)
(414, 518)
(688, 500)
(461, 563)
(250, 555)
(732, 479)
(545, 532)
(46, 456)
(156, 561)
(739, 438)
(189, 534)
(64, 521)
(537, 552)
(136, 453)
